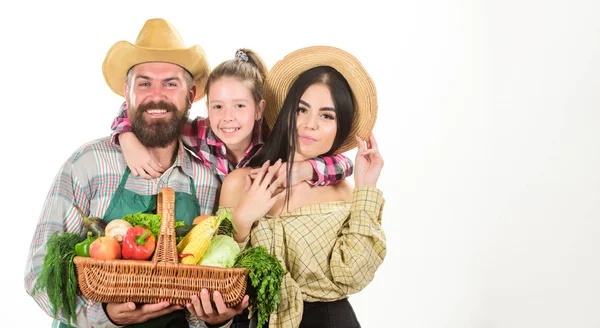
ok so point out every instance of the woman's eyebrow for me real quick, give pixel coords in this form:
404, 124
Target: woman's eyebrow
322, 108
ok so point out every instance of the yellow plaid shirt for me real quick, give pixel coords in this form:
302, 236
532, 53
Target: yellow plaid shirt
329, 250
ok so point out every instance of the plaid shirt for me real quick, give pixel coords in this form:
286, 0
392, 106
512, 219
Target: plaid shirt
198, 136
89, 179
329, 250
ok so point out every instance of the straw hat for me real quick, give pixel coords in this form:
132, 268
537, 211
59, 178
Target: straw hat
158, 41
286, 71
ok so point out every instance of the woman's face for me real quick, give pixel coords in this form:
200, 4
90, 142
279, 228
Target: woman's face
232, 112
315, 122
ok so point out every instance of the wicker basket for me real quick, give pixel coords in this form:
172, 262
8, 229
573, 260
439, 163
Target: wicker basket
163, 278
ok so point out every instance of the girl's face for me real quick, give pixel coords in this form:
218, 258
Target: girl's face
232, 112
315, 122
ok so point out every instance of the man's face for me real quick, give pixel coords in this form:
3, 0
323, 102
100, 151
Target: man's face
158, 102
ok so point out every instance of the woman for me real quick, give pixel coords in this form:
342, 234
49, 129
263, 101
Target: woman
329, 238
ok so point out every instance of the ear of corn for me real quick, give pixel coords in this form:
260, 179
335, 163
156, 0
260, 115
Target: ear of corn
197, 240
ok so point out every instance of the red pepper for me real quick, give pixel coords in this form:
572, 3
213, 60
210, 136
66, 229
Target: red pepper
138, 244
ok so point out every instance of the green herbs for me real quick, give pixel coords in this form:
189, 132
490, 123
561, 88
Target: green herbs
150, 221
266, 275
58, 276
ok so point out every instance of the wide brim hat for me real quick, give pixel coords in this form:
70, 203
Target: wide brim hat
285, 72
158, 41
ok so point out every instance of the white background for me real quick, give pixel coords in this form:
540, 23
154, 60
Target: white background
488, 123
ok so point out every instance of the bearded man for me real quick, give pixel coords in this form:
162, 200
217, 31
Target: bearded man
160, 79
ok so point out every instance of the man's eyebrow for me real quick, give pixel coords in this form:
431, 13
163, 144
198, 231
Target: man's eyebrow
175, 78
322, 108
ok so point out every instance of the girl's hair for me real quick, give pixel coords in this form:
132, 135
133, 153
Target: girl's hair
282, 139
248, 67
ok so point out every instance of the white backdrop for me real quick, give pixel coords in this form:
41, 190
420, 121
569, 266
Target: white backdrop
488, 123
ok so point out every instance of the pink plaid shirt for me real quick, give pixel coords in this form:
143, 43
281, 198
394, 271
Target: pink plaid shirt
198, 136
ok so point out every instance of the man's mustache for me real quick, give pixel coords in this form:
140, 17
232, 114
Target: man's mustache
169, 107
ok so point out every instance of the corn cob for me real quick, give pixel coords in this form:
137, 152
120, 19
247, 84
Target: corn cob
197, 240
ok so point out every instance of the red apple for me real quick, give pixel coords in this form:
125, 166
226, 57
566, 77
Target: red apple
105, 248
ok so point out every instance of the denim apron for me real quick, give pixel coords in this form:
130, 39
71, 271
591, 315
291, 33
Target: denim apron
126, 202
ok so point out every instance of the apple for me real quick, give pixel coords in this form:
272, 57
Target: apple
105, 248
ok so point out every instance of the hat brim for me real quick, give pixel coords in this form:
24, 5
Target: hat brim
286, 71
124, 55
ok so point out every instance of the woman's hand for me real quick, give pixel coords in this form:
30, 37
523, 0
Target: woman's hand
138, 158
258, 198
368, 163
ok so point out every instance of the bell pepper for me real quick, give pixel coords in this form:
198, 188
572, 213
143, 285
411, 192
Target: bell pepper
83, 248
138, 244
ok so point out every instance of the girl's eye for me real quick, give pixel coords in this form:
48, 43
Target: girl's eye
328, 117
217, 106
301, 110
240, 106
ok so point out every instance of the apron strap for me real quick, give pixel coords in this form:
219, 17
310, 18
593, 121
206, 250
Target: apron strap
193, 188
118, 193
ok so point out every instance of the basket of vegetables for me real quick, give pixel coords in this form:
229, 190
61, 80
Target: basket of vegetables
173, 273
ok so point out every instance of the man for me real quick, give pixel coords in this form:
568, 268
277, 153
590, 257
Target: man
159, 79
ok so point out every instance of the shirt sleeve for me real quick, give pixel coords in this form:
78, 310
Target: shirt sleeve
331, 169
361, 246
195, 136
120, 124
58, 214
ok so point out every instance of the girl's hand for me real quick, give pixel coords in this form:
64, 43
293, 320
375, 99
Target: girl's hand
368, 163
137, 157
301, 171
259, 196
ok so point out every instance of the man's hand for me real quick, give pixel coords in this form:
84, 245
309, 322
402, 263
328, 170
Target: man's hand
128, 313
217, 314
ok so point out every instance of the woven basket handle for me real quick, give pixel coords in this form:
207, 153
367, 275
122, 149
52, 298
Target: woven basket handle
166, 250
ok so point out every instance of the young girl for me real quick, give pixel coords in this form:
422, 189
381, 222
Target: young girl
329, 238
231, 134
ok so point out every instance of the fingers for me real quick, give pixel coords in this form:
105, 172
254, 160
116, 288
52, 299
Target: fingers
120, 308
219, 303
248, 183
373, 142
151, 171
361, 144
154, 165
143, 174
151, 308
196, 308
162, 312
261, 173
267, 181
205, 302
240, 308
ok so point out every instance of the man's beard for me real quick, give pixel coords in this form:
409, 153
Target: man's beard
158, 133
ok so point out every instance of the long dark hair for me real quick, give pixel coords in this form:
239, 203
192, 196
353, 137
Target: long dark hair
282, 139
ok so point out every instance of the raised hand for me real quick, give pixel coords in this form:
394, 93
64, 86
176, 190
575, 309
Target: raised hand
368, 163
259, 197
